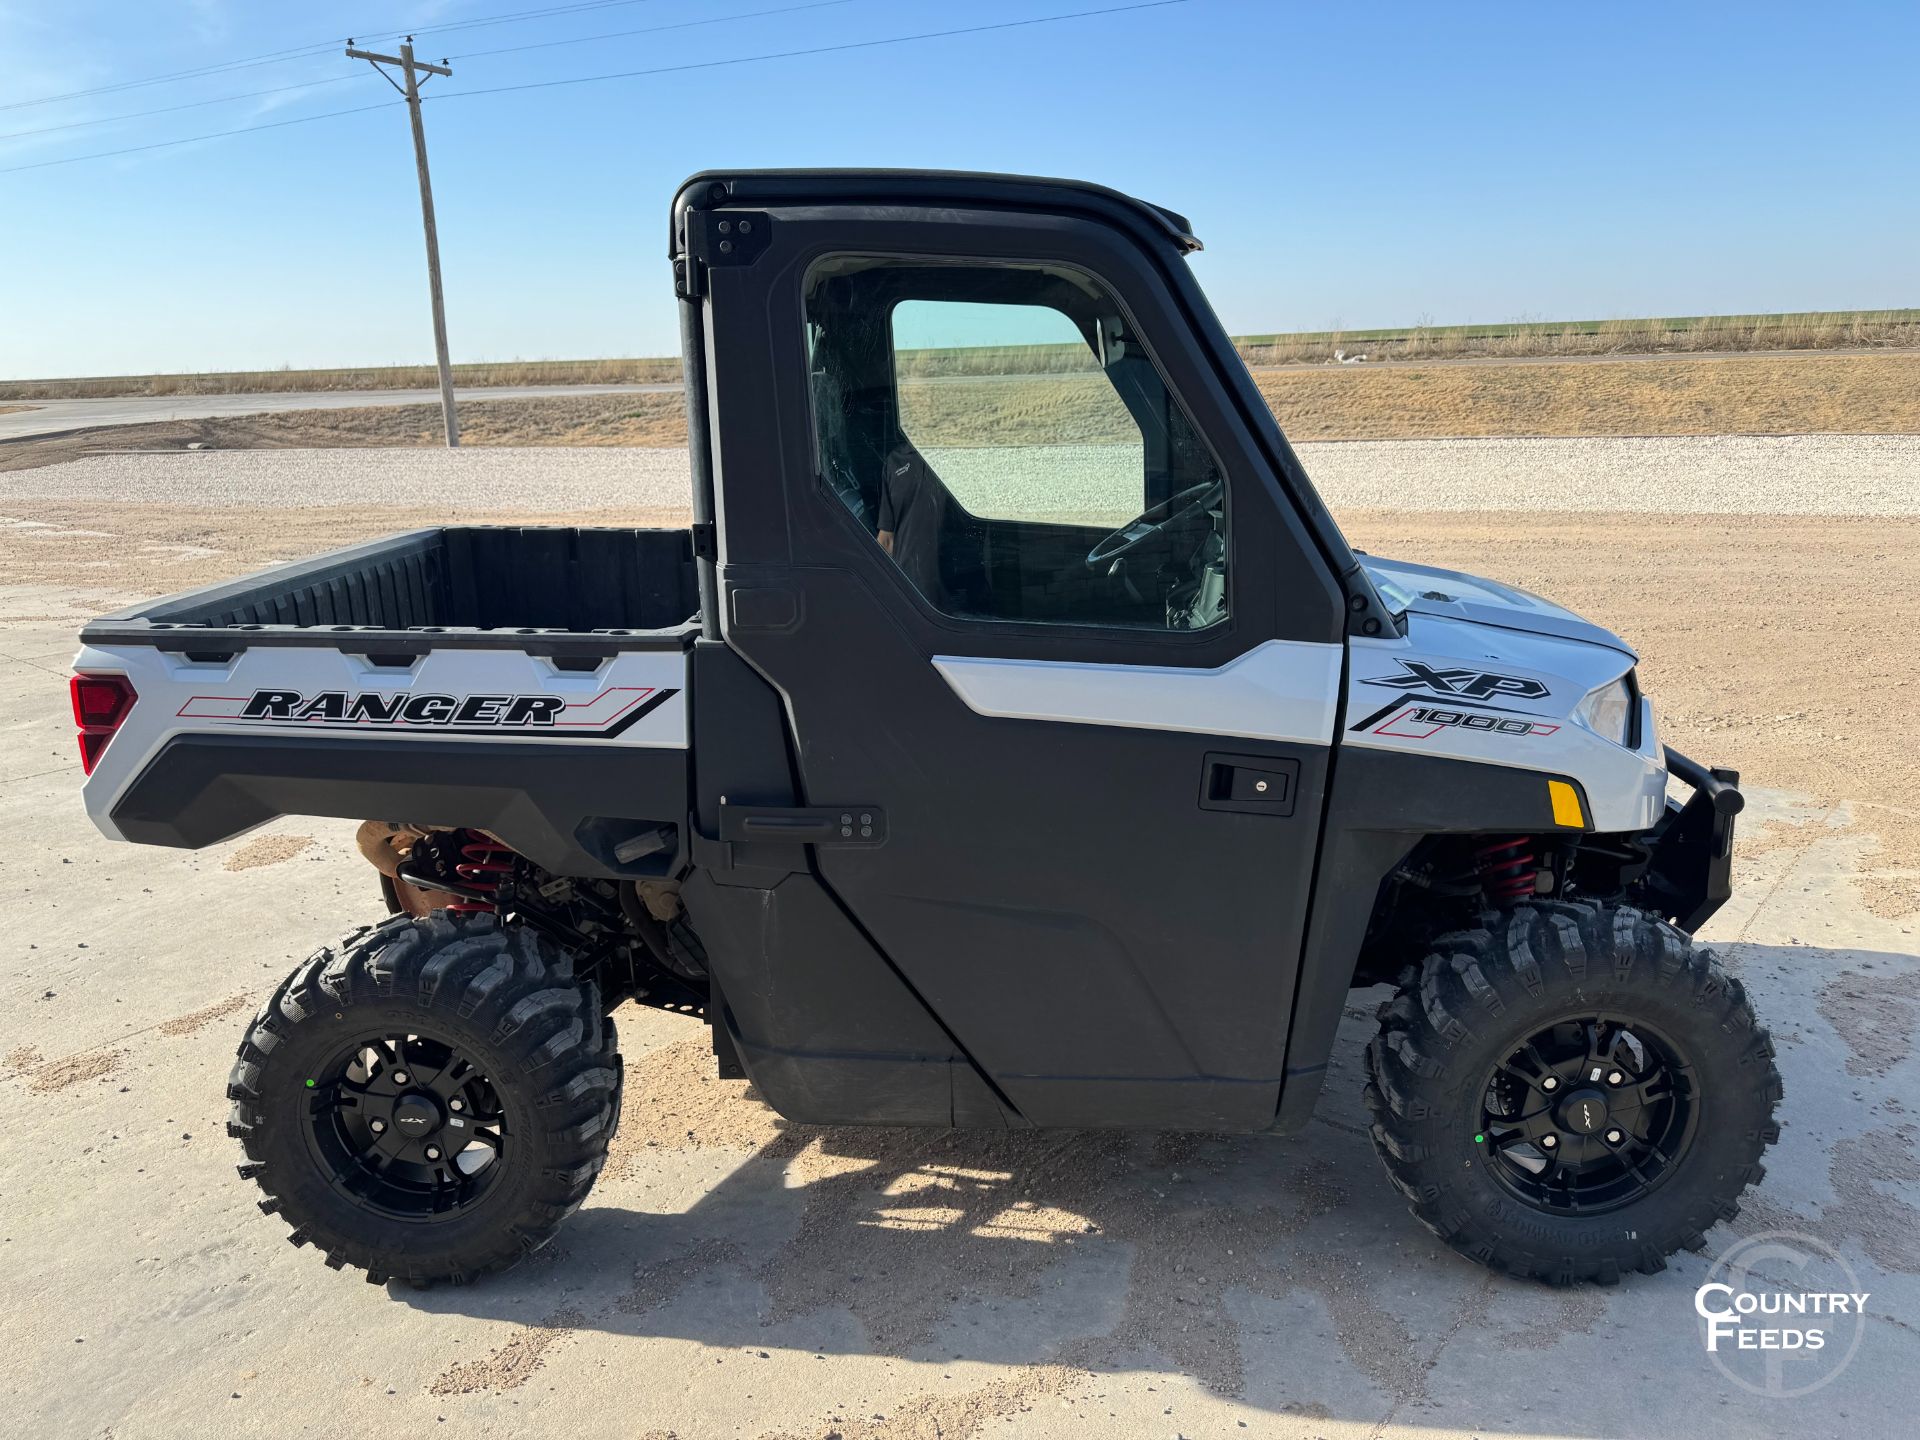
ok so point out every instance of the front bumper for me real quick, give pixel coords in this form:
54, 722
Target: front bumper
1690, 864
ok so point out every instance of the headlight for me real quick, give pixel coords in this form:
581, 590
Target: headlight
1608, 711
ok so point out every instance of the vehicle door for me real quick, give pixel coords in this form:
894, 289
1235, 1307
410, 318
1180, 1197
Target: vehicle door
1048, 632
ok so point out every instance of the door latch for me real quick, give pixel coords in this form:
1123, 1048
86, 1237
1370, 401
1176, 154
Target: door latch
803, 825
1249, 784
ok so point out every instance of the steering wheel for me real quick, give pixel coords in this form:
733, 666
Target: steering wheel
1191, 501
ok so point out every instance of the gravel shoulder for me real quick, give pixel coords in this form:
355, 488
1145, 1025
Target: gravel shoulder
1739, 474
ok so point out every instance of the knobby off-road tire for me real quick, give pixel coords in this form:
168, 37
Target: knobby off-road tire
1479, 996
534, 1048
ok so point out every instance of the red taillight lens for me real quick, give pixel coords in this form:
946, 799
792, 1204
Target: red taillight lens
92, 742
100, 704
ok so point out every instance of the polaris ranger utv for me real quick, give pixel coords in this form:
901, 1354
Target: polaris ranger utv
1012, 740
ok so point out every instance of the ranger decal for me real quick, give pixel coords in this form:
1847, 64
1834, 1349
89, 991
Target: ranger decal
605, 714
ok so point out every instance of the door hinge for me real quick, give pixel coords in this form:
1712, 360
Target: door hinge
718, 238
706, 541
727, 237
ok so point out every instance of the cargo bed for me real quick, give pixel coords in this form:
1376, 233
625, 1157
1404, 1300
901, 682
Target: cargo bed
545, 590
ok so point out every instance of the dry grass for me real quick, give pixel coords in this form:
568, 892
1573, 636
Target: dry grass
1708, 395
973, 360
1785, 394
380, 377
1688, 334
1030, 409
1727, 395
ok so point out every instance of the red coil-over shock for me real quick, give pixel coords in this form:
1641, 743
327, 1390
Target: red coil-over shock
484, 864
1507, 869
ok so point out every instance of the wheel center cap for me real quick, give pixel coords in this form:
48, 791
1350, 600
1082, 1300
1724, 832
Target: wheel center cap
416, 1117
1584, 1112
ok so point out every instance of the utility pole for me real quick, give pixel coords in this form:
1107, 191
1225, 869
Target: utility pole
414, 70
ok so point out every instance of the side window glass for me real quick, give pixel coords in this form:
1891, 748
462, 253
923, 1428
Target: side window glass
1008, 442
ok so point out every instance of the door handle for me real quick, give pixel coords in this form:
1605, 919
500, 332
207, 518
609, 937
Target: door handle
815, 825
1249, 784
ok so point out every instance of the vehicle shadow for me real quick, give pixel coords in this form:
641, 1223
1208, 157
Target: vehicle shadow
1069, 1251
1284, 1273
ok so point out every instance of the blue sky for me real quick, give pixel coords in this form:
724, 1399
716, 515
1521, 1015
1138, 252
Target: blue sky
1346, 164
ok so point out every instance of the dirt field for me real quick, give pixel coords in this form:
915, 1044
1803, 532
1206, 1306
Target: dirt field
1788, 394
587, 420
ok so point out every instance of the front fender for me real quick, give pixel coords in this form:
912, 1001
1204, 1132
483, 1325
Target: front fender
1380, 804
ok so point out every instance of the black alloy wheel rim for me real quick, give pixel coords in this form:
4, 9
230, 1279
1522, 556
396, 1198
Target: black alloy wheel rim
1588, 1114
405, 1125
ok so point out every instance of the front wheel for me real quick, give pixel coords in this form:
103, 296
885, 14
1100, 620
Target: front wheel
430, 1100
1571, 1092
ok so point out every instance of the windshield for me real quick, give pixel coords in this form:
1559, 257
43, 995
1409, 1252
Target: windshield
1396, 597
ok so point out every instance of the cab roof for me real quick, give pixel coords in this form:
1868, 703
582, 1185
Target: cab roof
944, 187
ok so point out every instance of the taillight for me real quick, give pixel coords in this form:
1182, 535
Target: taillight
100, 704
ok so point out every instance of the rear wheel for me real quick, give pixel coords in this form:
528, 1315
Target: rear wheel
1571, 1092
430, 1100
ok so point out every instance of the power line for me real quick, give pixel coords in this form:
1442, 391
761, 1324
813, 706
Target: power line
812, 50
170, 109
296, 52
648, 30
275, 58
615, 75
471, 55
195, 139
480, 21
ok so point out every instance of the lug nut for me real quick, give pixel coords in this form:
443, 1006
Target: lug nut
376, 1126
433, 1152
1614, 1137
1615, 1078
399, 1077
1547, 1142
1552, 1082
456, 1103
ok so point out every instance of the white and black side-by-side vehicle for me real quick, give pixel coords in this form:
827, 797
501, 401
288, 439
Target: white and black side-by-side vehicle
1011, 740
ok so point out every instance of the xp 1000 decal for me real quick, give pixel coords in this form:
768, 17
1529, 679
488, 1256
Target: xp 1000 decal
1423, 722
1436, 699
1457, 681
604, 715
